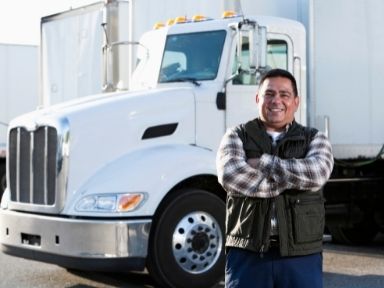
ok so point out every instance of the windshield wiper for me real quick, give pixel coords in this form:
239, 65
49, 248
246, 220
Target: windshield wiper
183, 79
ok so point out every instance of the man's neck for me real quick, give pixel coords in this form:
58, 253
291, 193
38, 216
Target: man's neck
272, 129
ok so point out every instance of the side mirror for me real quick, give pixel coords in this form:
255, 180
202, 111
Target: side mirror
251, 56
258, 48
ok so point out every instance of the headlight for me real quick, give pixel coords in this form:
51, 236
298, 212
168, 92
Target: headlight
110, 202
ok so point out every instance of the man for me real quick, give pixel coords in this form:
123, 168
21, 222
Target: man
273, 169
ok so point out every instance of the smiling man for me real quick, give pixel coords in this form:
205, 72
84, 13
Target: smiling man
273, 169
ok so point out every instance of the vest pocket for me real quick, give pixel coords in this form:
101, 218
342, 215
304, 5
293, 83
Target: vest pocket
308, 219
244, 217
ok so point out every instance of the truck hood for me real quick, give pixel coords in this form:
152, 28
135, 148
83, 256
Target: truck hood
103, 128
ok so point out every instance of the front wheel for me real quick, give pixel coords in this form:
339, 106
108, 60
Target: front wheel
187, 241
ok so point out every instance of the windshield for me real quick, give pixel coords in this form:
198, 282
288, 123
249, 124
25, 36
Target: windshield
192, 56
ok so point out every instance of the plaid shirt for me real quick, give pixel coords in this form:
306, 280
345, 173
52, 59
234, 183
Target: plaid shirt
271, 175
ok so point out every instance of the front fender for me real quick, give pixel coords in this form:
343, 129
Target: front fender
153, 170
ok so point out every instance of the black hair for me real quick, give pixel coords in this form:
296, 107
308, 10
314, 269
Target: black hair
280, 73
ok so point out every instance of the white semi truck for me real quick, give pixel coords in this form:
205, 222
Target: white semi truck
18, 91
82, 53
127, 180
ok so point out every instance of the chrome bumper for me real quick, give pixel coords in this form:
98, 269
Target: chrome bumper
73, 238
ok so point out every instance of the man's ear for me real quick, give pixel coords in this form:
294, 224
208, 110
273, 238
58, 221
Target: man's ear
297, 102
257, 98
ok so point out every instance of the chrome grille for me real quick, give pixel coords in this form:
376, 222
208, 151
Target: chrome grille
33, 163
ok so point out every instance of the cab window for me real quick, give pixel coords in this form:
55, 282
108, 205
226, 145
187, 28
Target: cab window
277, 57
194, 56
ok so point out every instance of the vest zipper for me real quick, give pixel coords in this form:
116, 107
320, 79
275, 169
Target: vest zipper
267, 223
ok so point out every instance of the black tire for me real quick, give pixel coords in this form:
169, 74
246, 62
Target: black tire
3, 182
186, 247
360, 234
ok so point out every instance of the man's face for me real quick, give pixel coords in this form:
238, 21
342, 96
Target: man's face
277, 103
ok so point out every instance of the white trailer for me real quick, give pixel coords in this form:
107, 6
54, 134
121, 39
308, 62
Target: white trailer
127, 179
18, 90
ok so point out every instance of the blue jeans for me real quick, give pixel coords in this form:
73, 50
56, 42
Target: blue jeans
247, 269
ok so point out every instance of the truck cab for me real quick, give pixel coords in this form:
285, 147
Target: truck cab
127, 180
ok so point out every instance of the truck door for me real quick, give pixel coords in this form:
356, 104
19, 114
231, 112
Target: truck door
241, 90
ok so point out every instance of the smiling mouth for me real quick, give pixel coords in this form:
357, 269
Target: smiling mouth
276, 109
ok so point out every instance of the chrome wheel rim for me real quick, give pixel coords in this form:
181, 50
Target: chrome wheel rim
197, 242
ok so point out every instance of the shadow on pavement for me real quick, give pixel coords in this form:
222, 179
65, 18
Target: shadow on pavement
121, 280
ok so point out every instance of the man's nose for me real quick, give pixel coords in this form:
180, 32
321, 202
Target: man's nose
276, 98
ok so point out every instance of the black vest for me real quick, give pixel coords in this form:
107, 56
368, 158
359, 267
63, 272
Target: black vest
300, 214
